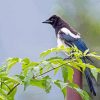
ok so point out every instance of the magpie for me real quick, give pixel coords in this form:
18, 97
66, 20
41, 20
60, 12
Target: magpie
68, 36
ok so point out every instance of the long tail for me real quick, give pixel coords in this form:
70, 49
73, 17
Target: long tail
90, 80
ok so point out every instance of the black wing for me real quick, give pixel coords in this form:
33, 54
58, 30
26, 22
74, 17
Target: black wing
78, 42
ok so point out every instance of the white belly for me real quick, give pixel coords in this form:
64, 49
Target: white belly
60, 42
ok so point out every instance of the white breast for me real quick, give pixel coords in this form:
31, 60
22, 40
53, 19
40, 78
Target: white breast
60, 42
68, 32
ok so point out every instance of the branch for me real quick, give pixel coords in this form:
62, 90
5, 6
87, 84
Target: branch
48, 71
35, 77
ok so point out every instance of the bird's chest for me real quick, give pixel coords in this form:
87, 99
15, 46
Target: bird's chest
60, 42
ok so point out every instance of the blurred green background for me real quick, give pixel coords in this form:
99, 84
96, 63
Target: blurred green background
84, 16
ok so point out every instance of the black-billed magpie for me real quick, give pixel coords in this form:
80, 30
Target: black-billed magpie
68, 36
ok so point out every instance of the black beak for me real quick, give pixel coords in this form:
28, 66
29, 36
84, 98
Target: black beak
47, 21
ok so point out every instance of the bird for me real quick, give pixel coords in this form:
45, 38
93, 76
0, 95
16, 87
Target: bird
68, 36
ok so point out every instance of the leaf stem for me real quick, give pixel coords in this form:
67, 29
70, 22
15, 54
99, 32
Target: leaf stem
6, 85
13, 88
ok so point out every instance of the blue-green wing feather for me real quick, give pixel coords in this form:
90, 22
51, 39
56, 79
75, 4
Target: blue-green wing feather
78, 42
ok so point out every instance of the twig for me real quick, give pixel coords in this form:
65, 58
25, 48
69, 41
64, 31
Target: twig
6, 85
35, 77
49, 71
13, 88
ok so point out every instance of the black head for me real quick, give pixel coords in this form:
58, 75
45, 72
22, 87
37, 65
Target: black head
53, 20
58, 23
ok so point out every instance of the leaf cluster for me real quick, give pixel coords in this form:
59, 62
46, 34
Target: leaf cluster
36, 73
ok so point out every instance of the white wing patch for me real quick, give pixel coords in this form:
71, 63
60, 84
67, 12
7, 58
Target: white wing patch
68, 32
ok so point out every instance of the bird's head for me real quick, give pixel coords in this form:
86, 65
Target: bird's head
53, 20
59, 23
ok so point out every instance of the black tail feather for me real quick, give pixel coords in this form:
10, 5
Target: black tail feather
89, 77
90, 81
89, 59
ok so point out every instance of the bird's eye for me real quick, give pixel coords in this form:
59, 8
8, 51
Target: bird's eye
52, 19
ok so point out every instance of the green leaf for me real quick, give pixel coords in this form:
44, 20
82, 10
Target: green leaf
44, 83
27, 64
93, 55
2, 97
67, 73
37, 82
3, 68
28, 78
3, 74
77, 66
56, 49
83, 94
61, 85
56, 70
90, 66
20, 78
3, 92
10, 79
11, 62
12, 94
57, 61
32, 64
47, 83
45, 53
25, 61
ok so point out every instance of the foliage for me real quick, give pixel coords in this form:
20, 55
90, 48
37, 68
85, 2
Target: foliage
36, 73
